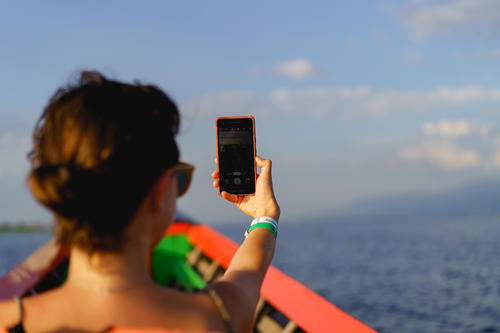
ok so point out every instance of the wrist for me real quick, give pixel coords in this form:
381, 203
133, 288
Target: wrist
273, 216
272, 213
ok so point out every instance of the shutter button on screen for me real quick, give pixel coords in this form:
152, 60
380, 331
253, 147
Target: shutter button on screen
237, 181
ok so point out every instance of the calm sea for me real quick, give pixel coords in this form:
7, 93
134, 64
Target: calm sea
396, 276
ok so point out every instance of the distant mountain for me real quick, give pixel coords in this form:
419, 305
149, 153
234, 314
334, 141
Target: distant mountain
477, 199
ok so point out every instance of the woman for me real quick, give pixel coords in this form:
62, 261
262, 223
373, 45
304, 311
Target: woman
105, 162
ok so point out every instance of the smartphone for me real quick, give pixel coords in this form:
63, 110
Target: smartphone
236, 153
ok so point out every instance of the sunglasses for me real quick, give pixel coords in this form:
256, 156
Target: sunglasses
184, 172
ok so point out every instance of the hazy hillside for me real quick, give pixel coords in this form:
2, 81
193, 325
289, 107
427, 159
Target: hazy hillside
477, 199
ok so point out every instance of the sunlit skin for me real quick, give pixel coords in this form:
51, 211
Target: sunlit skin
116, 289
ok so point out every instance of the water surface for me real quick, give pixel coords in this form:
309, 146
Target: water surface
395, 275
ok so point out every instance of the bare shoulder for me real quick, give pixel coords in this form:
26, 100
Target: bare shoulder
189, 310
8, 313
172, 300
235, 302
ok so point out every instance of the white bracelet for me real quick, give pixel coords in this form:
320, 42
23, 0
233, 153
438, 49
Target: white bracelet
263, 219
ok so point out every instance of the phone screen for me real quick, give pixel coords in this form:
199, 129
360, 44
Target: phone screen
236, 153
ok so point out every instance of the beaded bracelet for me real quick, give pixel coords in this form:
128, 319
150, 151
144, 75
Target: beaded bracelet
263, 222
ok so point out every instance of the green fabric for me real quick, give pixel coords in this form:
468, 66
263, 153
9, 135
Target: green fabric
169, 264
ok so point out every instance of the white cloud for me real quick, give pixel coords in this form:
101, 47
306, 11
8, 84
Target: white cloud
296, 68
366, 99
444, 155
360, 99
451, 17
496, 159
222, 103
484, 130
453, 129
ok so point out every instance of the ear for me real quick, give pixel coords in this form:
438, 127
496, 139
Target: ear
161, 189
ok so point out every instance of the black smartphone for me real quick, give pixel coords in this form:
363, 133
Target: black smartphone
236, 153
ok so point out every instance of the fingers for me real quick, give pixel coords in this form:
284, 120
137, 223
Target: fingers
215, 177
230, 197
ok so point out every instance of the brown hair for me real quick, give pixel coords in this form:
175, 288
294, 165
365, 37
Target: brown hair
98, 148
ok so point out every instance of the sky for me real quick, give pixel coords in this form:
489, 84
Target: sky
352, 99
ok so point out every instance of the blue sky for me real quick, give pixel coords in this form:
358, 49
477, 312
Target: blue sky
352, 99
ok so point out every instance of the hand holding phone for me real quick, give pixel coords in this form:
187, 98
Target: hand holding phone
264, 202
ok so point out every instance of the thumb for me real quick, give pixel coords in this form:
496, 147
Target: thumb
265, 166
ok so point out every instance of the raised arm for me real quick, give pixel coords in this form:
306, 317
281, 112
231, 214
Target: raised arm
240, 285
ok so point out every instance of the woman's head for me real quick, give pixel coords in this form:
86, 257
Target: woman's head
98, 148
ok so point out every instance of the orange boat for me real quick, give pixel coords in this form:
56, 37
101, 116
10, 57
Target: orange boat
188, 257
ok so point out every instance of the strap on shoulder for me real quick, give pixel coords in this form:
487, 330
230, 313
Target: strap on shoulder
222, 309
19, 327
20, 306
